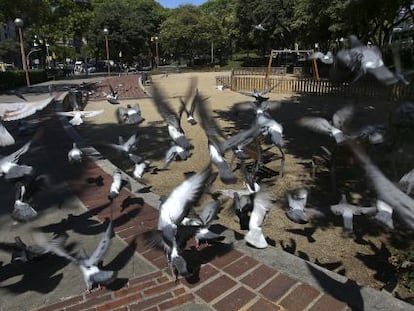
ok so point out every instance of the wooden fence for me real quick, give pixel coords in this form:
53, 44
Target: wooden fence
299, 85
260, 71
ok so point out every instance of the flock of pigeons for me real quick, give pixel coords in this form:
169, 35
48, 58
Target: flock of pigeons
178, 220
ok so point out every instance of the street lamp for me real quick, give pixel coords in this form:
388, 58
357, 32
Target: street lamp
157, 59
106, 33
19, 24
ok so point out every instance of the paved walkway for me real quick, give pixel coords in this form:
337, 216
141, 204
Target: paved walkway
228, 275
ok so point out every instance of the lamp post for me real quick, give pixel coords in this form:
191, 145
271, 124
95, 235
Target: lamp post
106, 33
19, 24
157, 59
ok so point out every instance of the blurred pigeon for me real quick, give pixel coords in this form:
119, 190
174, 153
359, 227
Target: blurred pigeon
386, 191
9, 167
260, 26
373, 134
17, 111
88, 265
297, 202
207, 215
339, 122
113, 97
73, 99
259, 95
361, 59
125, 146
75, 154
129, 115
274, 130
22, 210
407, 181
22, 252
347, 211
117, 183
261, 206
193, 104
171, 118
384, 215
175, 152
140, 166
172, 212
77, 116
216, 151
327, 58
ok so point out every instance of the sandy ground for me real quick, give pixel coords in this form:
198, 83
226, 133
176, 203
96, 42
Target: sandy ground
361, 256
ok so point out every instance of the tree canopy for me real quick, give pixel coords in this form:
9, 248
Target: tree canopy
189, 31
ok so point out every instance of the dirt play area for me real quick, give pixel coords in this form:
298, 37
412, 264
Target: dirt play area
362, 256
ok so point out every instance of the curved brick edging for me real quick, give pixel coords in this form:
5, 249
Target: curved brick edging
229, 278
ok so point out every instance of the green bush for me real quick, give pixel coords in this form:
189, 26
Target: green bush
17, 78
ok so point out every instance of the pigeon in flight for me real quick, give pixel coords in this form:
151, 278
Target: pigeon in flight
297, 202
77, 115
261, 206
129, 115
9, 167
190, 97
88, 265
171, 118
347, 211
260, 26
140, 166
386, 191
203, 221
75, 155
271, 128
118, 180
361, 59
335, 129
407, 181
384, 215
216, 150
22, 252
327, 58
173, 210
17, 111
113, 97
123, 146
259, 95
22, 211
175, 152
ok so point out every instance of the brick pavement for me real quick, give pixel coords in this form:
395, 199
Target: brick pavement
127, 86
225, 278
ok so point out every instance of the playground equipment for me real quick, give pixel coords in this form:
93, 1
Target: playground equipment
275, 53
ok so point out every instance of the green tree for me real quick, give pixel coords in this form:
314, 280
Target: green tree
189, 32
279, 16
225, 13
131, 25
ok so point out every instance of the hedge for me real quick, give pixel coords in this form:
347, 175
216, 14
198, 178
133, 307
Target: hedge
17, 78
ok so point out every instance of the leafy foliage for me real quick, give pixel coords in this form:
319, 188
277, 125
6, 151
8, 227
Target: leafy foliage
189, 32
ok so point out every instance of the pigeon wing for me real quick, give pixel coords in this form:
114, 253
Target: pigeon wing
209, 212
164, 108
175, 206
27, 109
15, 156
103, 245
386, 190
91, 113
316, 124
6, 139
